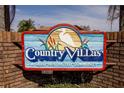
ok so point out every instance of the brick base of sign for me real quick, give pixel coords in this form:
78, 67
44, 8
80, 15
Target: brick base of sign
12, 75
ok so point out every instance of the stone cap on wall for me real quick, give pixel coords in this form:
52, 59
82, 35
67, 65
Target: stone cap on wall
115, 36
10, 36
16, 36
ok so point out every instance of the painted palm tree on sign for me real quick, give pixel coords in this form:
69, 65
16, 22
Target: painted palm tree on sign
113, 13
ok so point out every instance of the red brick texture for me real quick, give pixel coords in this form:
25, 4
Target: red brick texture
12, 76
113, 76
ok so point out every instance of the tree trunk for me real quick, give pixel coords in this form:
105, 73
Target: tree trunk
4, 18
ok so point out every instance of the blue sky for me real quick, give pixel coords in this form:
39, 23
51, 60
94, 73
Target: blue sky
44, 15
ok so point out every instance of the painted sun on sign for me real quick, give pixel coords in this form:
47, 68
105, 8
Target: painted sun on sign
64, 37
64, 48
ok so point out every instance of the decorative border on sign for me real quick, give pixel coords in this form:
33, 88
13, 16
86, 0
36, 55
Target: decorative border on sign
63, 69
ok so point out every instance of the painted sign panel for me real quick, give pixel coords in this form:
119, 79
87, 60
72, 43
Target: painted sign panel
64, 48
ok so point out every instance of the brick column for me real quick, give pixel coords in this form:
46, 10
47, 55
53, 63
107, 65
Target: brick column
10, 54
1, 67
2, 17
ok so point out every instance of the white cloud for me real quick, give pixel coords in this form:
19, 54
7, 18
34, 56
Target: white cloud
71, 17
99, 10
18, 10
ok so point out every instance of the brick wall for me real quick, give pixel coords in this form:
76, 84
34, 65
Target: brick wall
114, 75
12, 75
1, 67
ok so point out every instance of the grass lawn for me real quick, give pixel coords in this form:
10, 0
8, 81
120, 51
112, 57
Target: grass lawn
87, 85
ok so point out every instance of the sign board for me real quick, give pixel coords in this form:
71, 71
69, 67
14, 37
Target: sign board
64, 48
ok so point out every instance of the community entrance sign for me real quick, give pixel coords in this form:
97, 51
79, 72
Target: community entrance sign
64, 47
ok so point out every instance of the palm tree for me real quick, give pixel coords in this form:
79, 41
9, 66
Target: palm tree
113, 13
26, 25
